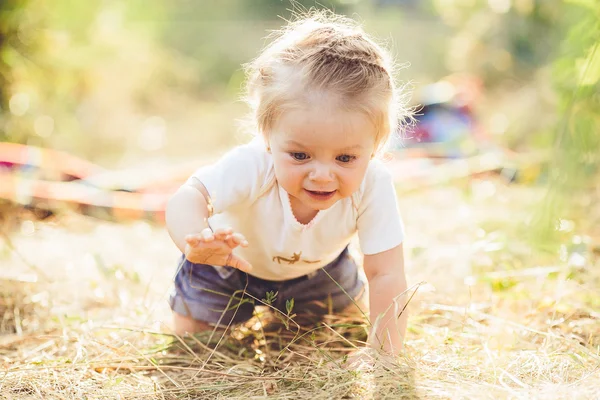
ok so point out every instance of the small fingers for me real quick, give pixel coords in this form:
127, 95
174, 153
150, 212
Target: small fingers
192, 240
222, 233
240, 239
236, 239
207, 235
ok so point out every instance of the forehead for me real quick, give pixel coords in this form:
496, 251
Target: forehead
324, 126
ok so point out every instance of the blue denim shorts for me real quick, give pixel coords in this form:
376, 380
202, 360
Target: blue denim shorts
201, 293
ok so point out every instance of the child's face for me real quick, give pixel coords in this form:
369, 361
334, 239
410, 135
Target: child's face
321, 154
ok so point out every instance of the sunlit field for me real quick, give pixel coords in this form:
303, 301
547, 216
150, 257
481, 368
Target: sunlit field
85, 314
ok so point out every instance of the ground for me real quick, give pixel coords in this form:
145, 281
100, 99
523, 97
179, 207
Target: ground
85, 315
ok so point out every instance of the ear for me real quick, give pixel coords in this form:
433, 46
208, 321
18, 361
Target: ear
267, 143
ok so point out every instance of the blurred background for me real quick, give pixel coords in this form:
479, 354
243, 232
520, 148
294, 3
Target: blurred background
120, 83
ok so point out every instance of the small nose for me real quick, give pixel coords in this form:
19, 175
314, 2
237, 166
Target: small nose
321, 173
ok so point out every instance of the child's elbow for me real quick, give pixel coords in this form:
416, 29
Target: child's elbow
170, 206
175, 206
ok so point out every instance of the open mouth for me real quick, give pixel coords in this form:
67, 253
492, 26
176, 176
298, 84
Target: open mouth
319, 195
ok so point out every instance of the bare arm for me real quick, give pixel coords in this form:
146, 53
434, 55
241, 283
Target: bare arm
187, 213
387, 283
187, 222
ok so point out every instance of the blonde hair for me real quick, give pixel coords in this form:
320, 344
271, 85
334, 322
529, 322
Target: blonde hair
321, 52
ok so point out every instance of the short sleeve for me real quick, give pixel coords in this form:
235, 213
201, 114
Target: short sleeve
237, 177
379, 223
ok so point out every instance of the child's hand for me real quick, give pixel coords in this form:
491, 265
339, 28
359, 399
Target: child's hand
215, 248
367, 359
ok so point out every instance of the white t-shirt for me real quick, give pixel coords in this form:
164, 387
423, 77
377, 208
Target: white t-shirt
246, 197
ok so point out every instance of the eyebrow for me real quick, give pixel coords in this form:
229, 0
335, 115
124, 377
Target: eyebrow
294, 143
298, 144
355, 147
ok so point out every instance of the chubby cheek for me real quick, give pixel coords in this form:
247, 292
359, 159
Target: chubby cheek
350, 180
289, 176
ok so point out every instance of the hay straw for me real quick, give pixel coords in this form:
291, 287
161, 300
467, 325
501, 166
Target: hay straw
536, 337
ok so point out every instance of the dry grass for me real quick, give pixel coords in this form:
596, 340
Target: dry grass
83, 314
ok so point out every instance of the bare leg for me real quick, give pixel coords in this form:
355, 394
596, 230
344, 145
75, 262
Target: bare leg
359, 308
183, 325
320, 311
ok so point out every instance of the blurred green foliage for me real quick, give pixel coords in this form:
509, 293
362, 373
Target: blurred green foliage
577, 80
502, 39
83, 75
15, 40
573, 190
108, 74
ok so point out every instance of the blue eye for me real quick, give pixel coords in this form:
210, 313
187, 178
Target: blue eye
345, 158
299, 156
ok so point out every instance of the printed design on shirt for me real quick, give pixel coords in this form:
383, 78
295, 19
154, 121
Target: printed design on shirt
293, 259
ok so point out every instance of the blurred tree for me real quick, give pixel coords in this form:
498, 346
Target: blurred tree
497, 39
40, 71
509, 45
12, 50
547, 50
221, 35
71, 73
574, 170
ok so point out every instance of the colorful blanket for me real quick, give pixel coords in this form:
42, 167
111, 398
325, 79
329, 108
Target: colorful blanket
52, 180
